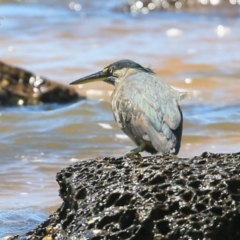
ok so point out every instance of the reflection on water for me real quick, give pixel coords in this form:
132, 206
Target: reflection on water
17, 221
66, 40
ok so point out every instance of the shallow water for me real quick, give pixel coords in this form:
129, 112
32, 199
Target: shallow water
195, 52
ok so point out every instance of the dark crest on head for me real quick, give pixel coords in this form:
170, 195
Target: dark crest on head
128, 64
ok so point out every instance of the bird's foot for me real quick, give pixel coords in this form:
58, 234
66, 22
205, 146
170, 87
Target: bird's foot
131, 154
136, 151
128, 155
166, 155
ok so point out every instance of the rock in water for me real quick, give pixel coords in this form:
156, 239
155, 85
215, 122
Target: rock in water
148, 198
19, 87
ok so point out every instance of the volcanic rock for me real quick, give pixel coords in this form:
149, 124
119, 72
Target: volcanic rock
150, 198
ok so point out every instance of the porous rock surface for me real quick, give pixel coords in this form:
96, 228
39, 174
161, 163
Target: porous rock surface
19, 87
148, 198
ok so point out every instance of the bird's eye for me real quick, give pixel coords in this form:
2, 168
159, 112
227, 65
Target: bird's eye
107, 70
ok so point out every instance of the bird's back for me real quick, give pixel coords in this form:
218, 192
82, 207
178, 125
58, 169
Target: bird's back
147, 109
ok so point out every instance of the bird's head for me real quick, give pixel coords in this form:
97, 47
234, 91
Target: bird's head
113, 73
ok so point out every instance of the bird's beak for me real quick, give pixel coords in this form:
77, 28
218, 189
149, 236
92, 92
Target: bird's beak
98, 76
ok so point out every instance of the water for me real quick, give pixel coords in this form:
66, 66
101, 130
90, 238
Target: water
196, 52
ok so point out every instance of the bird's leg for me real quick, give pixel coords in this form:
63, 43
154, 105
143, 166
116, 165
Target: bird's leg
136, 151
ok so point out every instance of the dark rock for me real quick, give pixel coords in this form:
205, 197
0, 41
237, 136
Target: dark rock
19, 87
222, 7
151, 198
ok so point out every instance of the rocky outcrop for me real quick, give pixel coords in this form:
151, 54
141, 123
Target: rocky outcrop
222, 7
147, 198
19, 87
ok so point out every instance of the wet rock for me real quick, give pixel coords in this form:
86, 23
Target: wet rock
148, 198
19, 87
225, 7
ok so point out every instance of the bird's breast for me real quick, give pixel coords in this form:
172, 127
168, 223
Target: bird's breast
122, 109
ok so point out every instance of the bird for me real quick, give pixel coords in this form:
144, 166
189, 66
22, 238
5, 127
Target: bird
144, 107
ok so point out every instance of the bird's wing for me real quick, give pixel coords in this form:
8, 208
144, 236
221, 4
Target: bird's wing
155, 98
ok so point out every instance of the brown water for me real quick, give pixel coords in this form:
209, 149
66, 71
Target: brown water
197, 52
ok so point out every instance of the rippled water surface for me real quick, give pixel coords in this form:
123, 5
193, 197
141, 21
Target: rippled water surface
63, 41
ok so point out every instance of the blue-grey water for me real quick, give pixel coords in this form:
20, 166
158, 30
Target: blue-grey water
64, 40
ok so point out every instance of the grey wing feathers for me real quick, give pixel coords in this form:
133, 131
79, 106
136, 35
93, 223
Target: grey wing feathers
156, 99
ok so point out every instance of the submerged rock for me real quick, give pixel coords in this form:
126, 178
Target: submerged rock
147, 198
19, 87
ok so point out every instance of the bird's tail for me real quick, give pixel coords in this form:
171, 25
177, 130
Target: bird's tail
180, 95
183, 95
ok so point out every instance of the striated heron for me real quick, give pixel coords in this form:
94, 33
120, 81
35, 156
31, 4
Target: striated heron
145, 107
